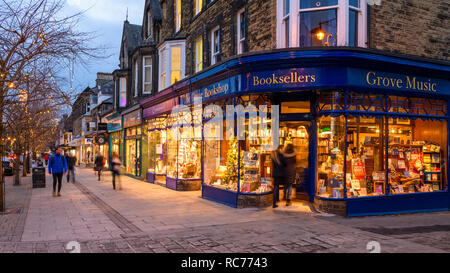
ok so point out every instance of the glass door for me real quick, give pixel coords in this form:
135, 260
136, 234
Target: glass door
297, 134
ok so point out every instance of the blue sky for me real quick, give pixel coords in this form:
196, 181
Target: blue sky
105, 18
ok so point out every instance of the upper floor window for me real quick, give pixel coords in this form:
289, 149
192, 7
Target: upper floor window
171, 63
198, 4
215, 45
123, 92
177, 9
136, 77
147, 75
240, 31
198, 44
321, 23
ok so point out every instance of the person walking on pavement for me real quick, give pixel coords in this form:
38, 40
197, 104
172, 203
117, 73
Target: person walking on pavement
57, 166
71, 161
99, 163
277, 173
116, 164
289, 157
46, 157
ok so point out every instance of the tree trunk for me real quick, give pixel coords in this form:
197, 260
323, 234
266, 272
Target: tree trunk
24, 166
17, 171
2, 143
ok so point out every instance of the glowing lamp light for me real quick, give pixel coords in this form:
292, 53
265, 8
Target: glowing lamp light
320, 35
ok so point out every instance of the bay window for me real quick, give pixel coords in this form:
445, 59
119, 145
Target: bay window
321, 23
147, 75
171, 63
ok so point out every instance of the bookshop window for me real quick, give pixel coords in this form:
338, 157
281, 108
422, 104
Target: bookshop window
330, 156
189, 155
172, 152
366, 153
256, 164
331, 101
417, 155
156, 151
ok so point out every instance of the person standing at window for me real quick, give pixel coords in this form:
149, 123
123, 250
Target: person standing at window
289, 156
277, 173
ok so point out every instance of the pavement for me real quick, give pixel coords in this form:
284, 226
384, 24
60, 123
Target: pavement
144, 217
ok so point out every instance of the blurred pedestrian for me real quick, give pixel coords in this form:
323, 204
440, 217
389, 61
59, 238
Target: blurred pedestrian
46, 157
99, 163
277, 173
116, 165
289, 158
57, 167
71, 161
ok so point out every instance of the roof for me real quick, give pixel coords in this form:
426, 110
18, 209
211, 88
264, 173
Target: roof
155, 9
133, 35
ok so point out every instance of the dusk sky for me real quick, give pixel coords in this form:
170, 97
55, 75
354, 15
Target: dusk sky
105, 18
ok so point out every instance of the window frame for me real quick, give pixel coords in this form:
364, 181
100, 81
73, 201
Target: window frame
177, 15
343, 9
122, 90
136, 77
144, 67
165, 55
240, 42
198, 7
214, 53
198, 54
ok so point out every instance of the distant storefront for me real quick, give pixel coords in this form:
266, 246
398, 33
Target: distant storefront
133, 141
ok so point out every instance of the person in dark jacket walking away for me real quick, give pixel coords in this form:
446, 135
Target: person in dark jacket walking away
289, 157
116, 164
99, 163
277, 173
71, 161
57, 166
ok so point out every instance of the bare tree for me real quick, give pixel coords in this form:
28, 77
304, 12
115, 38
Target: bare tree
35, 34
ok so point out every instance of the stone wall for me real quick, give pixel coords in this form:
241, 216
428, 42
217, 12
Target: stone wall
246, 201
414, 27
331, 206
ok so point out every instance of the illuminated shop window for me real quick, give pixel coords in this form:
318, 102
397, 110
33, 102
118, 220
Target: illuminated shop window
330, 156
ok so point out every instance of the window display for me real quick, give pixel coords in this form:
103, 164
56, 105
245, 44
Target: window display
172, 152
330, 156
157, 146
415, 155
366, 165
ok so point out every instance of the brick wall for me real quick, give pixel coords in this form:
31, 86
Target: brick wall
414, 27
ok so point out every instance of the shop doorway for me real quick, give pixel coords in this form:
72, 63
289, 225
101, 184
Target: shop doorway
133, 157
297, 133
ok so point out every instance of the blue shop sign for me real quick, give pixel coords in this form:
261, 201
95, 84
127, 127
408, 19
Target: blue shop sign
112, 127
218, 89
407, 83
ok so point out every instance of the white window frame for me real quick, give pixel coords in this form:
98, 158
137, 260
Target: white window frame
144, 67
215, 53
165, 48
198, 5
198, 65
286, 24
177, 12
240, 41
343, 9
123, 89
136, 77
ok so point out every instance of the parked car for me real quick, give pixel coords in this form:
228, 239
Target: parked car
7, 166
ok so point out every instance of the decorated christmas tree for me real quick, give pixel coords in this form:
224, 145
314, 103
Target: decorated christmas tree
231, 174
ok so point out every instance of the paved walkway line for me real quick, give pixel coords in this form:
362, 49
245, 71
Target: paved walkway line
20, 225
121, 222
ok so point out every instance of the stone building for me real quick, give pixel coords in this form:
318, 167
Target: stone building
351, 79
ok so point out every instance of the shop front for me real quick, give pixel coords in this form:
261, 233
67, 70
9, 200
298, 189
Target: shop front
133, 141
369, 130
157, 146
116, 137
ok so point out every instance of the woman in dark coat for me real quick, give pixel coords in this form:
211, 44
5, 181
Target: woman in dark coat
277, 173
289, 158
